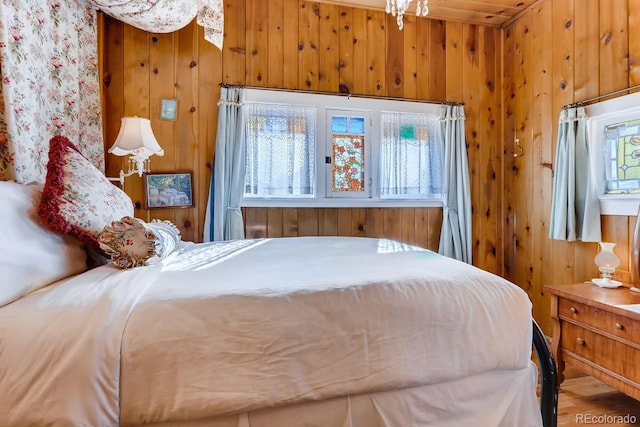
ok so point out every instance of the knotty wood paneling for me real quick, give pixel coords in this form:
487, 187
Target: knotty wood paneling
375, 57
541, 152
257, 58
395, 63
568, 50
614, 47
347, 40
162, 78
508, 189
420, 226
489, 155
328, 47
634, 43
494, 13
471, 54
308, 33
187, 138
522, 165
291, 44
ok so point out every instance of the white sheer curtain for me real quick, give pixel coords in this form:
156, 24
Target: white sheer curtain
455, 237
411, 156
575, 209
223, 219
280, 150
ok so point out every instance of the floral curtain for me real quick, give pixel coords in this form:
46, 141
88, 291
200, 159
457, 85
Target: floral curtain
49, 71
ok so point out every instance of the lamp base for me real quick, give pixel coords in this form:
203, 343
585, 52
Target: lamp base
606, 283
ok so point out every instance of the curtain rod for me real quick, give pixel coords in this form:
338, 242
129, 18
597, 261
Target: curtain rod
349, 95
596, 98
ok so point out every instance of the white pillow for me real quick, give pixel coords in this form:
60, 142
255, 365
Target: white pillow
31, 256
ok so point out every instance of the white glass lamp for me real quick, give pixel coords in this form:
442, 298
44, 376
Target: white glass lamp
607, 261
137, 140
398, 8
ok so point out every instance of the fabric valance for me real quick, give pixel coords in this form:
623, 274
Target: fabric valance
165, 16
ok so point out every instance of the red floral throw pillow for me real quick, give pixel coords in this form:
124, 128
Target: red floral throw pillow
78, 199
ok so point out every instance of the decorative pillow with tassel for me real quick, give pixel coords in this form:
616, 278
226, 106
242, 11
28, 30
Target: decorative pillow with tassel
77, 198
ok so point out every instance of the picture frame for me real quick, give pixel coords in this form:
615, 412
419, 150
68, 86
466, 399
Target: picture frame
168, 190
169, 109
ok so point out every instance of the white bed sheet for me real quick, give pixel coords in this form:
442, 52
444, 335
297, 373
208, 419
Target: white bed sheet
500, 399
225, 328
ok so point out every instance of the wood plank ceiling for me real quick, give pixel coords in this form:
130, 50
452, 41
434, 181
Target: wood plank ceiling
484, 12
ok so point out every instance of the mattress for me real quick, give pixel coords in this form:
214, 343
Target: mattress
228, 328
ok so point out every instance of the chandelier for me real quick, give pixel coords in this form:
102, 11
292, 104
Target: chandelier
398, 8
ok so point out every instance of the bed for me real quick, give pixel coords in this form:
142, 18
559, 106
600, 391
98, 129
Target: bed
306, 331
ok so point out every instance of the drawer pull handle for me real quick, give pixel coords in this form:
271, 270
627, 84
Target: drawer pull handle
620, 326
574, 310
580, 341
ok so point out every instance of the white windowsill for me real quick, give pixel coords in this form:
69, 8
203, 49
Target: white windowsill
339, 203
623, 204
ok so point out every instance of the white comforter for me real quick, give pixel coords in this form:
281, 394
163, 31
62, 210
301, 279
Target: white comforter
228, 327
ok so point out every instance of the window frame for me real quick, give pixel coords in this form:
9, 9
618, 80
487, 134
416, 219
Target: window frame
314, 193
372, 106
600, 115
369, 163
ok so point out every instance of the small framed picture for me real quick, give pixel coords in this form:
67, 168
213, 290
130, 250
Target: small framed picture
168, 190
169, 109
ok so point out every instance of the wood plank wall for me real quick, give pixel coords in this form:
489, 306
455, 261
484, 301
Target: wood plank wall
139, 69
297, 44
558, 52
415, 226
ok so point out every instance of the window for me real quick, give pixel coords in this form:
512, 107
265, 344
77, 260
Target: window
622, 152
332, 150
411, 156
614, 141
280, 151
348, 153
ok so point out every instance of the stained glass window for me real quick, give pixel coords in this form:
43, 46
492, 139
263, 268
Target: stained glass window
348, 153
622, 151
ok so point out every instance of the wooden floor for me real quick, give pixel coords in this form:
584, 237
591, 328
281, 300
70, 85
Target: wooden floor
583, 400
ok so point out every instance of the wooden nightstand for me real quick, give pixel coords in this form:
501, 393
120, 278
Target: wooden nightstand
596, 333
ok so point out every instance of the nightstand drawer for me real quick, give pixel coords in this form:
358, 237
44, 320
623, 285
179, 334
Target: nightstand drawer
613, 324
612, 355
598, 331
